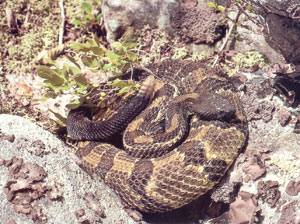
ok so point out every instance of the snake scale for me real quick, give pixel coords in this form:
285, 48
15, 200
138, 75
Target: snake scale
183, 130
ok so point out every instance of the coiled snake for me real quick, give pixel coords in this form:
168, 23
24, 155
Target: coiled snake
176, 149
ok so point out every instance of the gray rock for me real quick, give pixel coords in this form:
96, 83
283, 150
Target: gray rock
286, 8
284, 34
21, 138
118, 15
251, 39
191, 21
282, 26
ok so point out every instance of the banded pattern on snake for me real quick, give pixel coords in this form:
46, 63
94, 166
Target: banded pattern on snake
182, 131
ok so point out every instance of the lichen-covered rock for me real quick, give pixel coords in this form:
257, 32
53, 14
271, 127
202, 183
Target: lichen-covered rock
284, 34
191, 22
36, 188
286, 8
198, 24
281, 20
118, 15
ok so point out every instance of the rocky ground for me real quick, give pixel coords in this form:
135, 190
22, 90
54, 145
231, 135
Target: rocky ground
41, 183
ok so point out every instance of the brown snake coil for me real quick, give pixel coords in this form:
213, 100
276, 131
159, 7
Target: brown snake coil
178, 148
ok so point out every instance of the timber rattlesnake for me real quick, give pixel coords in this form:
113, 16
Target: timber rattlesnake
176, 149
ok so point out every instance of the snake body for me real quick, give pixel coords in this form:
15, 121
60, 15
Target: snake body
177, 148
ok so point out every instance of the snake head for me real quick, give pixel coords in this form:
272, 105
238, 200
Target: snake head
213, 106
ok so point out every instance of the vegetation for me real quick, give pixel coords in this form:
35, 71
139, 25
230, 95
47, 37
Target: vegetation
89, 53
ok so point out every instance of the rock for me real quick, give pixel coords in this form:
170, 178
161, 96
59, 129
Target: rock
53, 178
251, 38
118, 15
243, 209
284, 116
282, 30
225, 193
286, 8
284, 34
287, 86
255, 166
192, 23
255, 104
293, 188
197, 24
289, 213
268, 192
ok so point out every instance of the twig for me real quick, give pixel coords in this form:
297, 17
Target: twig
62, 25
11, 20
131, 71
228, 34
148, 70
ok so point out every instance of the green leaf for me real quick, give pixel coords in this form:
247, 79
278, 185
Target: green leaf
96, 39
98, 51
221, 8
108, 66
75, 103
77, 22
223, 21
119, 83
250, 7
112, 55
90, 17
90, 61
132, 56
74, 70
125, 89
69, 85
48, 95
65, 71
130, 45
85, 47
73, 61
211, 5
92, 42
118, 46
56, 89
86, 6
51, 62
80, 80
98, 18
81, 89
62, 120
50, 75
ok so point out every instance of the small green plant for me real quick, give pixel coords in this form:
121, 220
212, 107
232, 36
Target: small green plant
89, 15
124, 86
68, 78
118, 60
58, 81
213, 4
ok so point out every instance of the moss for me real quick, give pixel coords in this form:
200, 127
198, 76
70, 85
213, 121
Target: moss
199, 56
180, 53
243, 61
41, 30
156, 45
